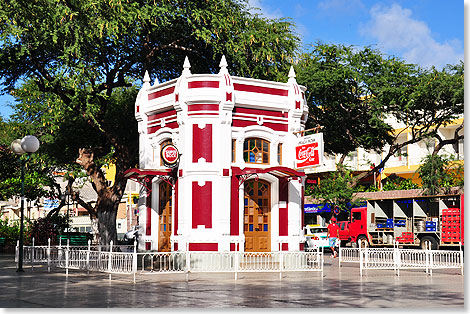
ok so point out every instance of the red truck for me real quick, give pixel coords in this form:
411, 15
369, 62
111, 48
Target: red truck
411, 222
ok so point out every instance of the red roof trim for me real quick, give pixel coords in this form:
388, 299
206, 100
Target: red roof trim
203, 84
260, 89
203, 107
161, 93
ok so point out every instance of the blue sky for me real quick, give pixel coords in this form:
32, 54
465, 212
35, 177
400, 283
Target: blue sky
425, 32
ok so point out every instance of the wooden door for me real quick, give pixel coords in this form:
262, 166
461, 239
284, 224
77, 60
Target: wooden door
164, 212
257, 216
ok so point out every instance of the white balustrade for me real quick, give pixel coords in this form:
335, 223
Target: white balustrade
396, 259
109, 261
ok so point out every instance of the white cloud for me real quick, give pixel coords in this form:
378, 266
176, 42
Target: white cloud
398, 33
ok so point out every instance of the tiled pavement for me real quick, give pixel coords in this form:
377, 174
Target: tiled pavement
335, 288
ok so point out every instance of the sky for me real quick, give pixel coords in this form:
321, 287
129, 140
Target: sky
424, 32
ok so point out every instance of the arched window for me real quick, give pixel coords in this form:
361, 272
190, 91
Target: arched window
256, 151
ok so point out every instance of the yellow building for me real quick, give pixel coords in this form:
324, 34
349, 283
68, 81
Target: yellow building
405, 164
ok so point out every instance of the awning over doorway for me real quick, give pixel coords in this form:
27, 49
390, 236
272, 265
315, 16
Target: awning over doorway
138, 174
143, 176
279, 172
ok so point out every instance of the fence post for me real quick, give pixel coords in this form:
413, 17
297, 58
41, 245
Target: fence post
322, 258
339, 256
88, 257
67, 258
59, 254
110, 256
397, 258
431, 259
32, 256
49, 255
188, 262
461, 257
237, 247
361, 261
426, 256
17, 250
134, 260
280, 259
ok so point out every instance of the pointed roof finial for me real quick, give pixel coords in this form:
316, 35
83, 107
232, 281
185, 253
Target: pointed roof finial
291, 72
156, 82
146, 79
186, 67
223, 62
223, 65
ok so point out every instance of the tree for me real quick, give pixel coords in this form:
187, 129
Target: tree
354, 94
337, 189
35, 181
45, 228
341, 83
80, 62
439, 173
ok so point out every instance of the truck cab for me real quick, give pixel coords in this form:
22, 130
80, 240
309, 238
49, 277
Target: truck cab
343, 231
355, 229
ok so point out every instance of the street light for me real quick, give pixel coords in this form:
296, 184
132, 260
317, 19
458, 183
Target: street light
28, 144
65, 197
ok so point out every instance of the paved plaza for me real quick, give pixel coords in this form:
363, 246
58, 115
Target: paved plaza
337, 287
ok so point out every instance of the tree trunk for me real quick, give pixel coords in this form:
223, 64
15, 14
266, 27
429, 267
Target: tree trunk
107, 204
94, 229
106, 212
342, 158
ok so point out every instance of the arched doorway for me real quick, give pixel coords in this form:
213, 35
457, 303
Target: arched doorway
257, 216
164, 217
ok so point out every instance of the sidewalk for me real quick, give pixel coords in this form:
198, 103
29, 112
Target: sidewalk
336, 287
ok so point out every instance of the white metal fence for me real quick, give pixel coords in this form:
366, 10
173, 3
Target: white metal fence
396, 259
110, 261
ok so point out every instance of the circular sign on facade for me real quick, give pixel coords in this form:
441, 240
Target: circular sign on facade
170, 155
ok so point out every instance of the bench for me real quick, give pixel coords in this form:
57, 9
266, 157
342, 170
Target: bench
75, 239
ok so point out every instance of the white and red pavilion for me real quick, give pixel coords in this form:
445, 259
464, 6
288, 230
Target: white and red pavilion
234, 180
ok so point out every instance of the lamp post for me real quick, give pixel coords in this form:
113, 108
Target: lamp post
28, 144
65, 197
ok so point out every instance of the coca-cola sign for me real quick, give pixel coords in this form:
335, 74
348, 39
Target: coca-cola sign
309, 151
170, 155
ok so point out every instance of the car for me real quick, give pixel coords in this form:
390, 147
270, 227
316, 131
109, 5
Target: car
316, 237
132, 234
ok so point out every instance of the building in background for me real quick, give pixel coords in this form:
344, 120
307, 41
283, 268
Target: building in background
127, 216
403, 165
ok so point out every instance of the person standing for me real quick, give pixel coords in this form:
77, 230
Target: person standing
333, 235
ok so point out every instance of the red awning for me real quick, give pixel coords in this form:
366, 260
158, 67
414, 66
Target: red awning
279, 172
138, 174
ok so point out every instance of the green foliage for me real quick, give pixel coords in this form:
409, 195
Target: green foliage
399, 184
81, 60
433, 100
439, 173
11, 231
45, 228
355, 93
367, 188
36, 179
342, 83
336, 189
